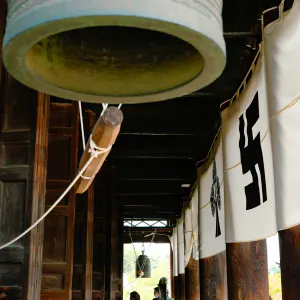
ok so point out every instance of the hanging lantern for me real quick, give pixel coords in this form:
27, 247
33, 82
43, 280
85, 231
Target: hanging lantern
115, 51
143, 266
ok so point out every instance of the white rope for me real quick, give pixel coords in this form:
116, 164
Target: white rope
82, 127
94, 154
93, 151
104, 107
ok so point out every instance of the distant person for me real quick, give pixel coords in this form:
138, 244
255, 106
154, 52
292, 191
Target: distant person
135, 296
156, 293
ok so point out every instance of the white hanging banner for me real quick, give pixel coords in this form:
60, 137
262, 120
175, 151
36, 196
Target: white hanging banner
212, 221
175, 252
180, 240
248, 164
282, 48
188, 238
195, 224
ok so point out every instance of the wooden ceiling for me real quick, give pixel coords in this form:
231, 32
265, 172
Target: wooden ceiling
161, 144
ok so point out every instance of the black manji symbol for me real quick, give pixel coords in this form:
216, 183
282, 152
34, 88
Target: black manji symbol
215, 198
251, 156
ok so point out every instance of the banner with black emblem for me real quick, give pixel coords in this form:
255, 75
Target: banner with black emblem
248, 163
282, 48
211, 208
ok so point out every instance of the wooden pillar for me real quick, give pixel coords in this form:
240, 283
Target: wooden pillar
38, 197
172, 292
89, 230
116, 241
289, 241
213, 277
247, 271
192, 277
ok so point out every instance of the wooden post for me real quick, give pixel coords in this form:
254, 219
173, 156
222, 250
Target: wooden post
213, 277
247, 271
192, 277
104, 135
89, 232
289, 241
38, 197
172, 292
116, 241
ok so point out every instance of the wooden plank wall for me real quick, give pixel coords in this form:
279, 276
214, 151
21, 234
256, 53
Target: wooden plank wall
59, 225
17, 139
22, 181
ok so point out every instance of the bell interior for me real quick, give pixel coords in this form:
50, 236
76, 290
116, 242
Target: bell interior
114, 61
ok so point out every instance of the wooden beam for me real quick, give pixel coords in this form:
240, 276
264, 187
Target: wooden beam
155, 200
159, 169
214, 277
247, 271
162, 146
104, 135
38, 197
153, 187
290, 262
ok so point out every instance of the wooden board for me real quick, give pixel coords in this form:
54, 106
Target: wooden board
290, 262
104, 135
59, 225
214, 277
247, 271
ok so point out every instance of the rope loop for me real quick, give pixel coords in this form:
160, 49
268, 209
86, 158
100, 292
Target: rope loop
95, 150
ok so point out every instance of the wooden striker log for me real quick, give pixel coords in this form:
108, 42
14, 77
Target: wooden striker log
104, 134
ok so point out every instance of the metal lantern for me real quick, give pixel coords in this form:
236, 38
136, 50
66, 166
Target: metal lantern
115, 51
143, 266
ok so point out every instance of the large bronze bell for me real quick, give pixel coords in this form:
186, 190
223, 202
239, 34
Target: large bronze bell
115, 51
143, 266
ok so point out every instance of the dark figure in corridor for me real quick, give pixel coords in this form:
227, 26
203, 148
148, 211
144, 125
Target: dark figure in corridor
135, 296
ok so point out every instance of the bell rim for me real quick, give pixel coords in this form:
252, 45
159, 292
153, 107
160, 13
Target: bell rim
16, 49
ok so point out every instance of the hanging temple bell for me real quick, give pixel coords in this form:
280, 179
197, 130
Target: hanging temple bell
143, 266
115, 51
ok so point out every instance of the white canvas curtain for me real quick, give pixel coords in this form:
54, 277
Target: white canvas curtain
195, 223
282, 53
259, 179
212, 221
174, 243
180, 240
188, 238
248, 164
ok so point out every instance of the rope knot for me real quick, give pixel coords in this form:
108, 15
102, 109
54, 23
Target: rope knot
95, 151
